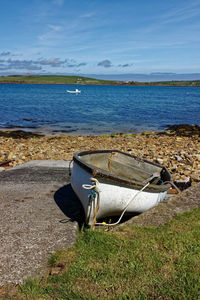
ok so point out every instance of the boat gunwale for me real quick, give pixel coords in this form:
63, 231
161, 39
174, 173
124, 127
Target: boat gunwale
116, 179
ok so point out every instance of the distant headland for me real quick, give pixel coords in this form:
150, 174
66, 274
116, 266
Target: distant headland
82, 80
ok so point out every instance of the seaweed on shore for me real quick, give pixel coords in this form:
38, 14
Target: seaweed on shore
20, 134
182, 130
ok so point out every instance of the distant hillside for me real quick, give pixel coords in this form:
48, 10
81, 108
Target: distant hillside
152, 77
61, 79
53, 79
167, 83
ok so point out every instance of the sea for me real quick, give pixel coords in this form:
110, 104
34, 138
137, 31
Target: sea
98, 109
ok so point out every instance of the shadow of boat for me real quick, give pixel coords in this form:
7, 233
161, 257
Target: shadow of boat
69, 204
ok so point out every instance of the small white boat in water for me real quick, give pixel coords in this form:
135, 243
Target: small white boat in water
113, 183
74, 92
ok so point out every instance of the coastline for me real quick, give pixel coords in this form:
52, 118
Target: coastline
84, 80
158, 84
177, 148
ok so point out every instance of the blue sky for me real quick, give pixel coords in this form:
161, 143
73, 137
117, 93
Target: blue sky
99, 36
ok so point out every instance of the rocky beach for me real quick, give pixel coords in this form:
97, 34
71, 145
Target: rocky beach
33, 225
177, 148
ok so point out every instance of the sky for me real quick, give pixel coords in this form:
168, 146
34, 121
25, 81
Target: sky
99, 36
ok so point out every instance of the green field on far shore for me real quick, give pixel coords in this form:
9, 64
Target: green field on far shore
61, 79
53, 79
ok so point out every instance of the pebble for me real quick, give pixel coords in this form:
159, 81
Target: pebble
159, 161
197, 157
181, 155
178, 158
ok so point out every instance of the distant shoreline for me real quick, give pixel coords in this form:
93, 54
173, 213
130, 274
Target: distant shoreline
80, 80
156, 84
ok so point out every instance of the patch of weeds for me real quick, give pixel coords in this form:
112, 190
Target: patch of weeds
113, 135
20, 134
105, 135
53, 259
59, 261
31, 288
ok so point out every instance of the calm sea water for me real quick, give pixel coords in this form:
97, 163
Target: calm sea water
98, 109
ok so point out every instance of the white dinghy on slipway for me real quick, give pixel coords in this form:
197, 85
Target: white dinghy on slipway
114, 183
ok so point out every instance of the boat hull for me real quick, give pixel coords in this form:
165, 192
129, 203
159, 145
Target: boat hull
113, 198
74, 92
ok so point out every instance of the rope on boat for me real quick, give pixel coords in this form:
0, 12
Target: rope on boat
113, 224
94, 194
69, 168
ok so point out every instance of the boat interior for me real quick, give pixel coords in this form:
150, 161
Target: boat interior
125, 166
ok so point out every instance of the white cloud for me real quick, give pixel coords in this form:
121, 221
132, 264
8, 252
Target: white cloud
55, 27
190, 10
5, 53
87, 15
38, 65
53, 33
58, 2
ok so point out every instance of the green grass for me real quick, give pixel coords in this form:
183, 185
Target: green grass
181, 83
53, 79
130, 263
168, 83
56, 79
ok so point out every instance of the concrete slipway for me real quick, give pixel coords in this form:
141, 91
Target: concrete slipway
39, 214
